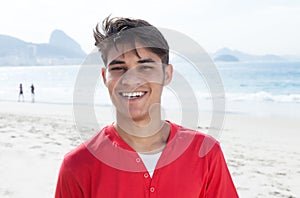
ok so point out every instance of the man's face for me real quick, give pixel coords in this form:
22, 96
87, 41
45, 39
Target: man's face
135, 81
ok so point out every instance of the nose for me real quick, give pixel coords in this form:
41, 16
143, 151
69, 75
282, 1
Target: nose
132, 78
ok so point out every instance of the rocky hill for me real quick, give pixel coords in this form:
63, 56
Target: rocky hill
228, 55
60, 50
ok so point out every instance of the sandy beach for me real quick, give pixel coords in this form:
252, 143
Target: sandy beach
263, 155
262, 152
34, 139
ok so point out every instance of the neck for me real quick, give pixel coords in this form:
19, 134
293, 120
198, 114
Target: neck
147, 138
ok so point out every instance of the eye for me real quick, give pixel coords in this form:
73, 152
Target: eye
118, 69
146, 67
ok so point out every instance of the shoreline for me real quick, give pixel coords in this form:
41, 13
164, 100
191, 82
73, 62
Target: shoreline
244, 108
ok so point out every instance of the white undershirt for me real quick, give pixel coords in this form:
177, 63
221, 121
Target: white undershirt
150, 161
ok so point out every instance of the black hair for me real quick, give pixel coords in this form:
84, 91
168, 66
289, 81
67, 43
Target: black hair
127, 30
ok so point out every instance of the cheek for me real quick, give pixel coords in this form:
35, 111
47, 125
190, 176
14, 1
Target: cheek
111, 84
157, 90
109, 80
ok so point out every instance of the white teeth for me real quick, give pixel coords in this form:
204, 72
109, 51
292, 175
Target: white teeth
133, 94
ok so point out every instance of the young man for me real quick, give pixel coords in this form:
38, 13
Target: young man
141, 155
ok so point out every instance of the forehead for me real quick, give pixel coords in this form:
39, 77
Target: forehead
131, 51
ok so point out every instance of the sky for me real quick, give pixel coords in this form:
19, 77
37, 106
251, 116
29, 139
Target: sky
253, 26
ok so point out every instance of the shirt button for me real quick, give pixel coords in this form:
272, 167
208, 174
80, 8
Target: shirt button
152, 189
138, 160
146, 175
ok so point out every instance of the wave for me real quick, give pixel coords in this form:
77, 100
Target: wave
264, 96
260, 96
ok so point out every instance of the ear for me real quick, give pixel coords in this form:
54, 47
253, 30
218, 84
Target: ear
168, 74
103, 72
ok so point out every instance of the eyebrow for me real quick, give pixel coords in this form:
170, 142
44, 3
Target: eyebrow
116, 62
148, 60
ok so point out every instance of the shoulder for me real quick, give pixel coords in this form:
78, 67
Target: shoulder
84, 154
77, 157
198, 136
204, 143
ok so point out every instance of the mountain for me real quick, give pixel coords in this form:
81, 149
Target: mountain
61, 50
59, 39
226, 54
226, 58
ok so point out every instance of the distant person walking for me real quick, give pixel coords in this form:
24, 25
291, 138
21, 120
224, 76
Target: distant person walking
21, 93
32, 93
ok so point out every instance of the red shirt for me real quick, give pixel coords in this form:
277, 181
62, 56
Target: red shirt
191, 165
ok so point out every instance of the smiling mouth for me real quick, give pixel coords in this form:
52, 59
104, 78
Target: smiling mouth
133, 95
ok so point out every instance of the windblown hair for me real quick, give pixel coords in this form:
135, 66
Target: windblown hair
119, 30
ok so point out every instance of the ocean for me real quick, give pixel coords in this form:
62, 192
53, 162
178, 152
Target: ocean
258, 88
